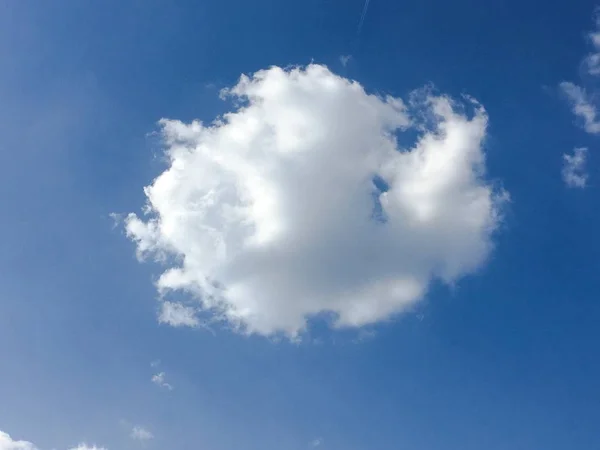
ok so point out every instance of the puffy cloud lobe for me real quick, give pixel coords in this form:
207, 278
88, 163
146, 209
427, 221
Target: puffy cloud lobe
7, 443
302, 202
574, 172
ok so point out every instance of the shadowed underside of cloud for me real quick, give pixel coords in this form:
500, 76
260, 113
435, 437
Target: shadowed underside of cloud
7, 443
300, 202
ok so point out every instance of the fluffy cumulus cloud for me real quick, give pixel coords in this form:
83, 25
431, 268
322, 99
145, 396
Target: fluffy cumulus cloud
7, 443
303, 201
574, 171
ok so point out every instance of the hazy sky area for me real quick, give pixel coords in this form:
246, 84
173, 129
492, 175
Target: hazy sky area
279, 225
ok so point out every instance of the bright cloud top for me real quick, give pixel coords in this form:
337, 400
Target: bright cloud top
301, 202
7, 443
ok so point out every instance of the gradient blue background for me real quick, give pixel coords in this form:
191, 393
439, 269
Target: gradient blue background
508, 359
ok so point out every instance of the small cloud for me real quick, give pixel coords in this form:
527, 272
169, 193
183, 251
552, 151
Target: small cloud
141, 434
159, 380
364, 335
117, 219
7, 443
316, 442
87, 447
592, 60
345, 59
573, 172
155, 363
582, 106
178, 315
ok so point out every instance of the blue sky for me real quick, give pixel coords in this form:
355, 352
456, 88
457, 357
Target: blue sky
504, 355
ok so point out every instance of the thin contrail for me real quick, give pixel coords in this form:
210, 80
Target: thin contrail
364, 14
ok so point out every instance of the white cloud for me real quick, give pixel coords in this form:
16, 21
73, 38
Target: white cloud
574, 171
345, 59
274, 215
316, 442
117, 219
7, 443
177, 315
364, 335
583, 106
160, 380
141, 434
87, 447
592, 61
